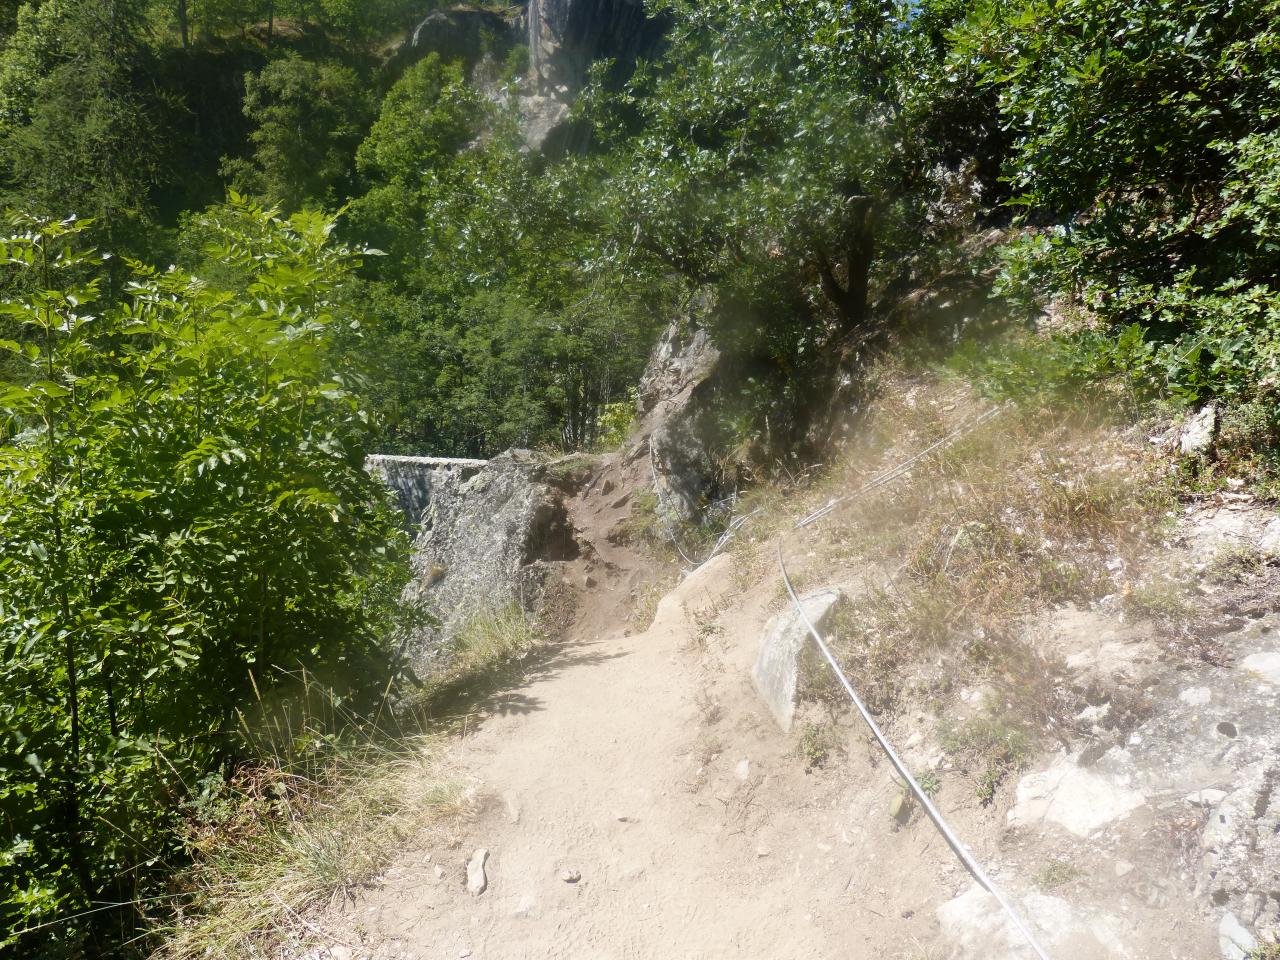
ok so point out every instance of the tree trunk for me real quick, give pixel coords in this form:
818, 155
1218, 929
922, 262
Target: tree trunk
182, 24
850, 299
271, 21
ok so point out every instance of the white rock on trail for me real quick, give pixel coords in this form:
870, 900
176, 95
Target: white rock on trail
777, 666
1208, 797
1266, 666
1074, 798
975, 923
526, 907
512, 806
1234, 940
1269, 541
1196, 696
1197, 433
477, 881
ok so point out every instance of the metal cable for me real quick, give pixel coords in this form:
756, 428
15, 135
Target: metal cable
900, 469
732, 528
966, 858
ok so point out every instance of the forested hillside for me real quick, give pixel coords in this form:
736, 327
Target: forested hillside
251, 241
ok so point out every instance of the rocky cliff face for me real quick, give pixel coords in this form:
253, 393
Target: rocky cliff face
678, 428
412, 479
489, 536
564, 38
460, 33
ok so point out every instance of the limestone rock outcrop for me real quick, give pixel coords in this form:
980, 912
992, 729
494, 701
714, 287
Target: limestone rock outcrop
412, 479
459, 33
679, 430
488, 539
566, 36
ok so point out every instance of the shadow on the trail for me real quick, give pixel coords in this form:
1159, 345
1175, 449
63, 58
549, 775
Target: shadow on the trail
467, 703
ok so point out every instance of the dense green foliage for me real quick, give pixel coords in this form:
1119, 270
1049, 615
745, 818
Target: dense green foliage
78, 125
495, 321
1146, 132
184, 513
786, 162
185, 518
307, 120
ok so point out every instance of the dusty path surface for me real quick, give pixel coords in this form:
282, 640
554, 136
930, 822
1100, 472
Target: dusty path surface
604, 767
636, 800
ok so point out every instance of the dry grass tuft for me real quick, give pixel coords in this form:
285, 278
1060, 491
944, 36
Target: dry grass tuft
486, 643
1057, 873
292, 843
286, 839
1029, 510
989, 747
647, 596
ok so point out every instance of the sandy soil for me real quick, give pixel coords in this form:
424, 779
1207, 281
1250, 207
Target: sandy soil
637, 801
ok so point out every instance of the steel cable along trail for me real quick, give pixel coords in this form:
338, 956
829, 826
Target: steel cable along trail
961, 852
966, 858
734, 525
901, 468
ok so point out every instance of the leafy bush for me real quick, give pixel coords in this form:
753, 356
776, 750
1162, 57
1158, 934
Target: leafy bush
615, 423
184, 513
1147, 132
496, 320
784, 153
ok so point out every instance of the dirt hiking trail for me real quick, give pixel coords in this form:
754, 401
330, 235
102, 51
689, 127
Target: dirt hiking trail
635, 800
683, 842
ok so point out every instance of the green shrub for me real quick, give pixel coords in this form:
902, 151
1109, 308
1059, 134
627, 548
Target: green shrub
1146, 132
992, 746
187, 524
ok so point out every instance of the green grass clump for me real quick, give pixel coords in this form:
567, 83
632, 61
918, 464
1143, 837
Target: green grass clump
990, 747
1057, 873
816, 746
485, 643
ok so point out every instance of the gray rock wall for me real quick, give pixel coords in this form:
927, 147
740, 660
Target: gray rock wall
412, 479
488, 538
566, 36
679, 426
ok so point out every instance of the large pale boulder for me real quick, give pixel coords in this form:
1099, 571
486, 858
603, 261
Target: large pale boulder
679, 430
412, 479
776, 673
1073, 797
975, 925
566, 36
